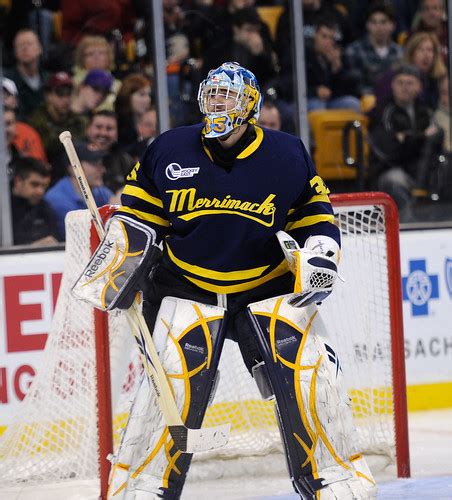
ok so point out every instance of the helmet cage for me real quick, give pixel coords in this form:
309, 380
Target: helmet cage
228, 97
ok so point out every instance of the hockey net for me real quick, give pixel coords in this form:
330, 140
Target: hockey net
65, 423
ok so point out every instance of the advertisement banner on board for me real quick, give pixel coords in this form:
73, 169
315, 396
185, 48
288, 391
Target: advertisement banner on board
29, 285
426, 261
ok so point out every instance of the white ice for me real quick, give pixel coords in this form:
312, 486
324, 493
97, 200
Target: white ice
431, 473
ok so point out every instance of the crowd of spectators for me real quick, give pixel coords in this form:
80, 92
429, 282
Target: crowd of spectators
87, 67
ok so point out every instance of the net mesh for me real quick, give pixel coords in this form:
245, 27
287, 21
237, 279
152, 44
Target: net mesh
54, 436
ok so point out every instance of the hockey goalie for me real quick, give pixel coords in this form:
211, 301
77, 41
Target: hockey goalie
227, 231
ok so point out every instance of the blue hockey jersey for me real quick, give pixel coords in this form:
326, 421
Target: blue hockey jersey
218, 225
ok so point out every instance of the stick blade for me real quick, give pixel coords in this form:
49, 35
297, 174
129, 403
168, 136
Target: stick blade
194, 440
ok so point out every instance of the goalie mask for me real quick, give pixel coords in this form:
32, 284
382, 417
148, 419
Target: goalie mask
228, 97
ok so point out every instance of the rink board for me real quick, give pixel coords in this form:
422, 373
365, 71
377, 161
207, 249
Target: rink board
29, 284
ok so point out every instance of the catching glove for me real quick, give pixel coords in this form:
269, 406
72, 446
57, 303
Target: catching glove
314, 267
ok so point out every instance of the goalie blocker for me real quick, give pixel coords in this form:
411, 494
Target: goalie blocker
120, 265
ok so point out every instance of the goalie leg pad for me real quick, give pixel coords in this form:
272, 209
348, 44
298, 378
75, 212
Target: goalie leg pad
312, 405
189, 337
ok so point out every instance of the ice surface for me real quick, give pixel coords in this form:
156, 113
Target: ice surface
431, 471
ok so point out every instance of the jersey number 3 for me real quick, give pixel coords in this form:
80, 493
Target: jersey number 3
319, 186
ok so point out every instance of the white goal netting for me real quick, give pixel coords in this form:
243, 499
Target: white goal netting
54, 437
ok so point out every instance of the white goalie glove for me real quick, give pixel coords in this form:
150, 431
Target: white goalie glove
314, 267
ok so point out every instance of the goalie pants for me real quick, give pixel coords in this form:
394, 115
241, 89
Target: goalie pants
166, 283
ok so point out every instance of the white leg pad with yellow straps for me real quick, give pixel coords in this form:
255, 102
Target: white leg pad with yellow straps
313, 407
188, 337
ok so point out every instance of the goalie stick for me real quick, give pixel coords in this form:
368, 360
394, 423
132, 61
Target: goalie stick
185, 439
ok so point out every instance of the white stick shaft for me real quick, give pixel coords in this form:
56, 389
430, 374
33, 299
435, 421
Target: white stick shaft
158, 377
66, 140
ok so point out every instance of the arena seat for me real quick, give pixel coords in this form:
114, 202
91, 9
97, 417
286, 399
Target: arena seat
368, 102
340, 145
58, 24
270, 14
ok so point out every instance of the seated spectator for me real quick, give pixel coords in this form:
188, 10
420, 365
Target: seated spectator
35, 15
225, 20
65, 195
313, 10
94, 52
91, 92
134, 99
270, 117
27, 73
248, 46
432, 19
54, 116
21, 139
374, 54
405, 143
33, 219
102, 134
330, 84
148, 125
423, 51
147, 128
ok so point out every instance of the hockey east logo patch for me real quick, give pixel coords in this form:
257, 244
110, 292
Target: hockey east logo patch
174, 171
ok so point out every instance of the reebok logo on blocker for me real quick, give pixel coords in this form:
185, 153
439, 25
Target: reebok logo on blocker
99, 259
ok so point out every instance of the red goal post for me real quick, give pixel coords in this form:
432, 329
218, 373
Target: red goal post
396, 314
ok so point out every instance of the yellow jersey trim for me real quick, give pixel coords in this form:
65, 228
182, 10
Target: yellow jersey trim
249, 150
319, 197
144, 216
140, 193
202, 213
242, 287
215, 275
309, 221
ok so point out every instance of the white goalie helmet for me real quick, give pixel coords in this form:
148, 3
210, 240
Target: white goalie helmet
228, 97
